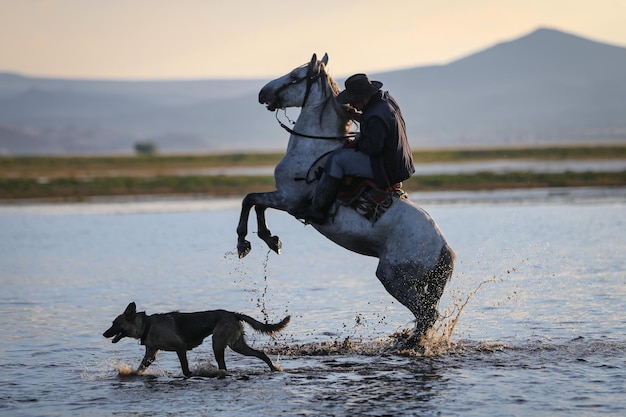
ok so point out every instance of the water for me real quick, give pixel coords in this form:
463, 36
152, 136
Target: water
544, 335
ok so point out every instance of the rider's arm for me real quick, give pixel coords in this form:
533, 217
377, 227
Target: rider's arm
372, 138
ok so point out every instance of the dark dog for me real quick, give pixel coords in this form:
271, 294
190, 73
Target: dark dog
180, 332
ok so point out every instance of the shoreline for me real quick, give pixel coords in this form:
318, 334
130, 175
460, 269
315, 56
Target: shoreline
67, 178
145, 166
76, 190
169, 203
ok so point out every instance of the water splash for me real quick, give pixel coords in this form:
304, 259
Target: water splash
99, 371
124, 369
437, 342
208, 370
241, 277
261, 299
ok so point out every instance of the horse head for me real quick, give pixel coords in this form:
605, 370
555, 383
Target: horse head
297, 88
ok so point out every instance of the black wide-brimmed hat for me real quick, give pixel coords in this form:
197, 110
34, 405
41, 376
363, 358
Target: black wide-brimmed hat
358, 87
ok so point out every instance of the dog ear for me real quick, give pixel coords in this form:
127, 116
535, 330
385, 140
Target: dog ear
130, 311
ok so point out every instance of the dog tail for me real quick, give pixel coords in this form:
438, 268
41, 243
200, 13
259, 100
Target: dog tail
267, 328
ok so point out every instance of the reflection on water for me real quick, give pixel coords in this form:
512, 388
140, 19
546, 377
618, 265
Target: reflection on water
544, 334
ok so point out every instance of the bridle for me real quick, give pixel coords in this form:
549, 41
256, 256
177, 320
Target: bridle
310, 78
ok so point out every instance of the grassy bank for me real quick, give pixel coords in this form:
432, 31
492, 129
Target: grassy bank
80, 189
79, 178
163, 165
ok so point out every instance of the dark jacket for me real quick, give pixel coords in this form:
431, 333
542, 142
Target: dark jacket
383, 138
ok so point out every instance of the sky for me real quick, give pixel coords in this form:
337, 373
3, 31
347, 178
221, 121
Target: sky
191, 39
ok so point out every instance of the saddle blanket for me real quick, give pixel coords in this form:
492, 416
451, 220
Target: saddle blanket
369, 200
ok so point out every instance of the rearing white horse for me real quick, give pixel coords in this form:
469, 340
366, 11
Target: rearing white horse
415, 261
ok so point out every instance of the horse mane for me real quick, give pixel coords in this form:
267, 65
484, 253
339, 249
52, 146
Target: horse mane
334, 88
332, 98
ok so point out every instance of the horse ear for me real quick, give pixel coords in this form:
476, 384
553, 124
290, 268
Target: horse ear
313, 62
325, 59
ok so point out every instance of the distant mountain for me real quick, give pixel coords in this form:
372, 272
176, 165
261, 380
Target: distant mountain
42, 116
547, 87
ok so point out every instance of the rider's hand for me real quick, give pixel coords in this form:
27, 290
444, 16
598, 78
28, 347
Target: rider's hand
353, 113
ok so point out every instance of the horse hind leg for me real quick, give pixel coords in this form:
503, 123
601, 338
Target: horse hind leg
403, 282
432, 288
417, 289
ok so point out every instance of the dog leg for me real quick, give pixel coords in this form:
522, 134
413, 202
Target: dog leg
148, 358
182, 357
241, 347
219, 346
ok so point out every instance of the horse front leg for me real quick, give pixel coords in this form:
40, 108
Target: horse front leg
243, 246
273, 242
261, 201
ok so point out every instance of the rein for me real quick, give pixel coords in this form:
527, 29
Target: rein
306, 178
311, 78
293, 132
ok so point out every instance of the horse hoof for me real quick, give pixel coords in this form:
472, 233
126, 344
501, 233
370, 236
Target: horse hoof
275, 244
415, 342
244, 248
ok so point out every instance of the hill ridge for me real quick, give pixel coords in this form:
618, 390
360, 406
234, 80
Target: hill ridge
546, 87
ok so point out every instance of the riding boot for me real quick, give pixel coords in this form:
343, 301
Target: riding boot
324, 196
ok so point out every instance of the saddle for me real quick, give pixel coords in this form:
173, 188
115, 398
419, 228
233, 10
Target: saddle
367, 198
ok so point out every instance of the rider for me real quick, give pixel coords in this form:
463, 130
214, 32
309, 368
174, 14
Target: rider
380, 151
